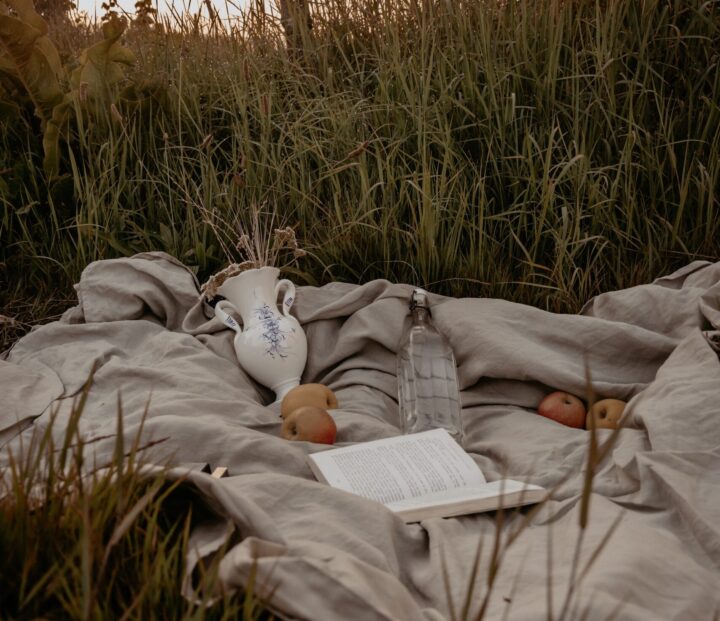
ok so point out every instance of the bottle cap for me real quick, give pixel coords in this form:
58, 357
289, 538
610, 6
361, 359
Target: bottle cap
419, 299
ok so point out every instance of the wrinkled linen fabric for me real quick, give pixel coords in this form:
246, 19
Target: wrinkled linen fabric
326, 554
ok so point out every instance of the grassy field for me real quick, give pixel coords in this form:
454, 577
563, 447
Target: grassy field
542, 152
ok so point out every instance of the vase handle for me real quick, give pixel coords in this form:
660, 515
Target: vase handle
288, 296
225, 317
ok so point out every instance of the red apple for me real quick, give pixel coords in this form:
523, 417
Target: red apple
318, 395
311, 424
606, 414
562, 407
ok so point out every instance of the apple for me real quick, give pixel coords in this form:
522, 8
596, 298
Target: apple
311, 424
562, 407
605, 414
318, 395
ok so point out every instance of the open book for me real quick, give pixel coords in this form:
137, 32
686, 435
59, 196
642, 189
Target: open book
419, 476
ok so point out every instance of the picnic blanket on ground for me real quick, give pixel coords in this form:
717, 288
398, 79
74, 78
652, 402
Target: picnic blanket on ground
331, 555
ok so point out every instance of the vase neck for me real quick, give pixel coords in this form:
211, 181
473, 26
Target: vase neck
251, 289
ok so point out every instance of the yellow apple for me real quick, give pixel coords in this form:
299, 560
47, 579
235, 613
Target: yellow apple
311, 424
318, 395
606, 414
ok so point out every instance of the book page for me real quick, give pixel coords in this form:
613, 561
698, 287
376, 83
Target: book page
399, 468
490, 491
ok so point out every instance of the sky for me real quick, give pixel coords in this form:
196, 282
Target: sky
93, 6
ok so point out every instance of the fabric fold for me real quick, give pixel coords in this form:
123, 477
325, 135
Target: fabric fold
157, 348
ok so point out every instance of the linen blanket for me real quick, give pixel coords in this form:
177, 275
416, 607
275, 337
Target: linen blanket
327, 554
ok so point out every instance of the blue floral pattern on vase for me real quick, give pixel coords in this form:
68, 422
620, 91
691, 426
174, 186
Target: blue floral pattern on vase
272, 334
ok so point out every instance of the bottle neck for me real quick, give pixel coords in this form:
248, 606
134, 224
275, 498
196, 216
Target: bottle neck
420, 316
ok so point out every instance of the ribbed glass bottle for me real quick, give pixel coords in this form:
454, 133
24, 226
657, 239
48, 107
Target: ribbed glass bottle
428, 393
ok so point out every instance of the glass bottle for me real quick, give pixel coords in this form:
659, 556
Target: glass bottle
428, 393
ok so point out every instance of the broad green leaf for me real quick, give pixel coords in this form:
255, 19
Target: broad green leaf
51, 137
28, 57
31, 63
26, 12
102, 65
51, 54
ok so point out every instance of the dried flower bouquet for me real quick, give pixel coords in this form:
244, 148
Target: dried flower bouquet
250, 247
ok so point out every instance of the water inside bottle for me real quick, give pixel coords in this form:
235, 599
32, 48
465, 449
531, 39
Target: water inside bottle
427, 380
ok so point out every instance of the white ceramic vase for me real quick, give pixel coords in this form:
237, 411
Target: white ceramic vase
271, 345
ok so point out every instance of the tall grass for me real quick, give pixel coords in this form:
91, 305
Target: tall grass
111, 543
537, 151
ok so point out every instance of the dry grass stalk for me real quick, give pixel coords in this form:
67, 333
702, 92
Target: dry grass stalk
504, 538
10, 321
250, 244
67, 526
